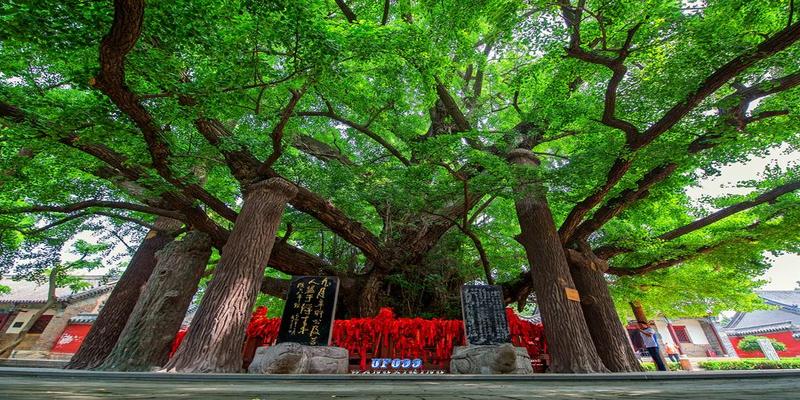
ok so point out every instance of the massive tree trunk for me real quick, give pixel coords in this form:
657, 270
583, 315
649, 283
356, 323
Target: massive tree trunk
609, 336
146, 340
215, 338
119, 305
368, 304
569, 343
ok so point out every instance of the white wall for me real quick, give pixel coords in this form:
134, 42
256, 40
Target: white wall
24, 317
663, 331
693, 328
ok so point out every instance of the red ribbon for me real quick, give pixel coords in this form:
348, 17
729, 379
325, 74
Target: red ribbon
386, 336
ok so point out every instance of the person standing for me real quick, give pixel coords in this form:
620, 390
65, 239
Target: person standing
672, 352
649, 339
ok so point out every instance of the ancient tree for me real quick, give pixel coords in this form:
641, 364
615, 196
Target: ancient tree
387, 130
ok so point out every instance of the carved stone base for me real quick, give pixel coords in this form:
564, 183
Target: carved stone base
294, 358
490, 359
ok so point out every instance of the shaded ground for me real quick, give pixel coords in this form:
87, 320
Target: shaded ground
24, 383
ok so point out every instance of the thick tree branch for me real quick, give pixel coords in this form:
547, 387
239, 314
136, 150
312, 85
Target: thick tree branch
11, 113
320, 150
691, 255
361, 128
324, 211
426, 232
480, 209
572, 17
608, 251
484, 259
766, 197
733, 116
722, 75
662, 264
622, 201
765, 115
294, 261
277, 132
242, 164
275, 287
126, 173
114, 48
118, 205
80, 215
618, 170
451, 107
385, 17
347, 11
245, 166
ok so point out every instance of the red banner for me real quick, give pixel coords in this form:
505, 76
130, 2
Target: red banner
71, 339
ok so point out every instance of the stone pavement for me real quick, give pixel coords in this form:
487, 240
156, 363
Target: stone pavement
39, 383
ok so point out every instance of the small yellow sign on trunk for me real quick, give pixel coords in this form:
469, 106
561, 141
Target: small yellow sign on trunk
572, 294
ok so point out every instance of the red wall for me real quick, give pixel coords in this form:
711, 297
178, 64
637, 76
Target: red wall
71, 338
785, 337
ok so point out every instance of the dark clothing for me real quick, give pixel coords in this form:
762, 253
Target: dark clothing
674, 357
656, 356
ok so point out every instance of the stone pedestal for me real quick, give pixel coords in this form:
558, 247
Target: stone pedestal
295, 358
490, 359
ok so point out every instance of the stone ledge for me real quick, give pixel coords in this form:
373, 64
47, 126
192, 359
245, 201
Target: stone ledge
51, 373
32, 363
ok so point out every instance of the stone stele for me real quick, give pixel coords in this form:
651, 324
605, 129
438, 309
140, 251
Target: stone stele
490, 359
295, 358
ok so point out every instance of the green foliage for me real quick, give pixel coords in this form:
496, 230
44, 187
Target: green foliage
37, 260
750, 343
750, 363
274, 305
651, 367
237, 60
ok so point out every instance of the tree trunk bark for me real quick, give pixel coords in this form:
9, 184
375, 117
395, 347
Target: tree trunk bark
638, 311
214, 341
609, 336
145, 342
568, 341
368, 305
119, 305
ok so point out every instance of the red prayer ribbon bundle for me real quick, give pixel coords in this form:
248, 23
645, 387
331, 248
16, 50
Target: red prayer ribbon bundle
386, 336
526, 334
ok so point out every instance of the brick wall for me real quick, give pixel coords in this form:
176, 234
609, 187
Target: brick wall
53, 331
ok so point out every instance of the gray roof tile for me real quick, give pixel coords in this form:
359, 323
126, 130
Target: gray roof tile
27, 292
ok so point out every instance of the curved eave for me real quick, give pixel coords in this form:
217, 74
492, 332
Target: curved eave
762, 329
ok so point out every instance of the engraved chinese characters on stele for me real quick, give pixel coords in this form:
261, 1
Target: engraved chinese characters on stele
310, 308
484, 315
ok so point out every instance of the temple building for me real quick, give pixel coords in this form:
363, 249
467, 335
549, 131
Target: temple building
694, 337
781, 323
58, 332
